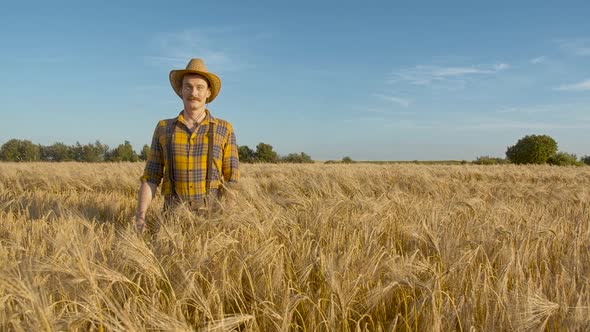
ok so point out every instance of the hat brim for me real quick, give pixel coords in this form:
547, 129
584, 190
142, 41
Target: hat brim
176, 81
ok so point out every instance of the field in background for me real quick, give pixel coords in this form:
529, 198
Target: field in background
394, 162
311, 247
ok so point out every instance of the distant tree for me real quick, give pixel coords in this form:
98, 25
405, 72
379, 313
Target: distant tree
20, 150
585, 160
265, 153
44, 153
347, 160
124, 152
93, 153
145, 152
246, 154
532, 149
10, 151
59, 152
298, 158
77, 152
30, 151
90, 153
487, 160
564, 159
101, 149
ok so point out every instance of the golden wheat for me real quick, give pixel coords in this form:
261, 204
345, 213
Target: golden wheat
301, 247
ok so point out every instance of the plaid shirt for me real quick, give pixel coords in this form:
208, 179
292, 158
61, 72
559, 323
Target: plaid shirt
190, 157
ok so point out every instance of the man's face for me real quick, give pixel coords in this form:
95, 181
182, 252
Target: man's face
195, 92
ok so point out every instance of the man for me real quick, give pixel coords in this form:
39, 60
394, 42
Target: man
195, 153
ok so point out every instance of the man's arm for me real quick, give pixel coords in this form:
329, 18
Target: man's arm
230, 165
147, 191
151, 178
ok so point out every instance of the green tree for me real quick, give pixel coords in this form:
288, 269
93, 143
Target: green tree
123, 152
347, 160
60, 152
93, 153
532, 149
585, 160
90, 153
20, 150
564, 159
246, 154
145, 152
101, 150
265, 153
44, 153
10, 151
298, 158
78, 152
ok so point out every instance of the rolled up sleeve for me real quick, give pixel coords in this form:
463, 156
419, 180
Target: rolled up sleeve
231, 162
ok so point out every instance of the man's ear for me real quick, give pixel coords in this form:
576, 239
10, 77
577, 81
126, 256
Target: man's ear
208, 92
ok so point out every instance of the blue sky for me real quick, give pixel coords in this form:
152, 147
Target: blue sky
371, 80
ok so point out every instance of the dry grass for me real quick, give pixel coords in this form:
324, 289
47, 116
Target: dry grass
314, 247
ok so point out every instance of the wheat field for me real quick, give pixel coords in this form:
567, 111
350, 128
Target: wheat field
299, 248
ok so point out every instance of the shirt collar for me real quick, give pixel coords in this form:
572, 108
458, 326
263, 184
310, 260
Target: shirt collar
208, 118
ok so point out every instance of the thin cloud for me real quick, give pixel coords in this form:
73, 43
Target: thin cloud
486, 125
428, 74
579, 47
525, 110
373, 114
168, 61
397, 100
539, 60
472, 125
575, 119
507, 124
501, 66
564, 108
174, 50
458, 71
379, 118
492, 124
582, 86
45, 59
385, 111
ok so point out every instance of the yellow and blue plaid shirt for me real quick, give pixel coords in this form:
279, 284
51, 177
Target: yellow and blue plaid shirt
189, 151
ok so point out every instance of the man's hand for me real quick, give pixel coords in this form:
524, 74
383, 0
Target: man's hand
230, 195
147, 190
230, 190
140, 224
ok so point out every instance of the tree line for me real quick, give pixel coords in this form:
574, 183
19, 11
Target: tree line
531, 149
264, 153
25, 150
536, 149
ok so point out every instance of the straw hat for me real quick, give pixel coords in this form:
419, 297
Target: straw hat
195, 66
